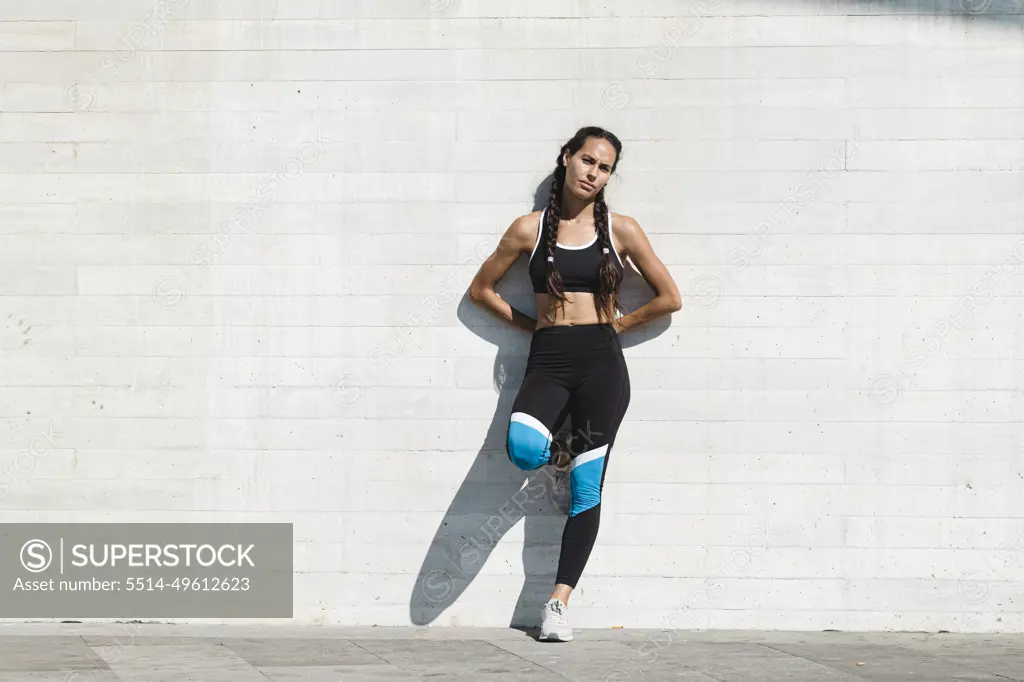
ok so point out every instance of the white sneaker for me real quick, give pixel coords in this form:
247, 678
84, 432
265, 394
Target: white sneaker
555, 622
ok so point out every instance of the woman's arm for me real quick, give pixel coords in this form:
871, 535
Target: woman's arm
639, 250
519, 237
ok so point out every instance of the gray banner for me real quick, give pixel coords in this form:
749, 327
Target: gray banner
146, 570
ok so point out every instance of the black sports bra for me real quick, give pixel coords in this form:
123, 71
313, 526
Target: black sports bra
579, 266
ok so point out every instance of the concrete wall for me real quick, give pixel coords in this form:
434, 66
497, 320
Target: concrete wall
236, 236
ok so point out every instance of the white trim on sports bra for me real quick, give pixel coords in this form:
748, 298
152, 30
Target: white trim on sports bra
611, 237
540, 229
577, 248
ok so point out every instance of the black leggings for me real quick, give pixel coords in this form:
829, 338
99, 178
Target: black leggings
577, 371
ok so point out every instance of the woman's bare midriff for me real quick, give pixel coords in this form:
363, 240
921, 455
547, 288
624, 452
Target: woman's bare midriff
578, 309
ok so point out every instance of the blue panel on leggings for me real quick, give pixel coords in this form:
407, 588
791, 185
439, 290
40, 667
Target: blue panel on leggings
586, 486
527, 446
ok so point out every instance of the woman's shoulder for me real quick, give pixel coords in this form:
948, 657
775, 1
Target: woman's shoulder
624, 223
530, 222
531, 218
524, 230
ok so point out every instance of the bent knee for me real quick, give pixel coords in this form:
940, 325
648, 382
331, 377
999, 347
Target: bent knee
529, 441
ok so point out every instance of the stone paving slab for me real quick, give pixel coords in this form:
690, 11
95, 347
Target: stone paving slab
729, 662
582, 660
209, 660
998, 658
45, 652
473, 659
40, 653
302, 652
334, 673
59, 676
887, 663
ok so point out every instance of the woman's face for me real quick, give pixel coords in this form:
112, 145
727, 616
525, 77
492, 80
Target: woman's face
588, 170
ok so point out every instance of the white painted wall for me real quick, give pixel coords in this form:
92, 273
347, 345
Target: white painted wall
827, 436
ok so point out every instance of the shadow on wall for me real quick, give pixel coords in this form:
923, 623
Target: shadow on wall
990, 10
495, 494
1008, 11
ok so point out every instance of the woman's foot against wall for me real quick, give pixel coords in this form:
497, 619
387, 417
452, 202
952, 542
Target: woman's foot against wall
561, 487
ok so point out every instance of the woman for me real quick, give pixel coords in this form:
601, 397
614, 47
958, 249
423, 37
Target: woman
575, 367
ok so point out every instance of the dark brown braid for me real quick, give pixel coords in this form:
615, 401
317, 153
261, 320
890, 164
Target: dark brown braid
606, 298
556, 288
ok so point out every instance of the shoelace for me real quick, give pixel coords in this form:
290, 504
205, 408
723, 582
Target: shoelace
556, 606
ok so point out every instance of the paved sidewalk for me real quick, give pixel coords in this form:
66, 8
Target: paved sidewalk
178, 653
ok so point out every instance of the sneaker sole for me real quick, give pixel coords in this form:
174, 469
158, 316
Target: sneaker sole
552, 637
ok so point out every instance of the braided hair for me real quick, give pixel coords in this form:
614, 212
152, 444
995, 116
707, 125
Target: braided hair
606, 298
